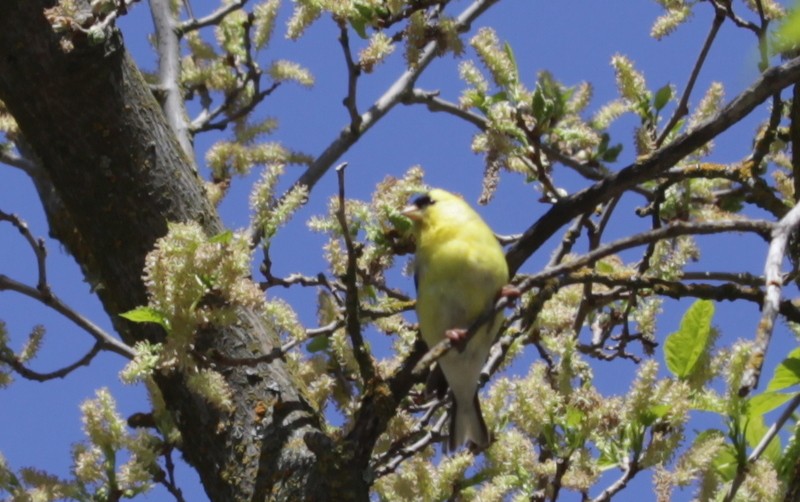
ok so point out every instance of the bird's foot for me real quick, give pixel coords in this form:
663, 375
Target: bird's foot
509, 291
456, 335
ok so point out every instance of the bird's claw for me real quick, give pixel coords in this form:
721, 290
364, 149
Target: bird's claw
509, 291
456, 335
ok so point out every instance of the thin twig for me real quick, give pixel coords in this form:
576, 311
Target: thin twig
676, 229
441, 348
352, 308
678, 290
434, 103
767, 135
631, 469
393, 95
353, 72
727, 7
568, 240
37, 376
650, 167
772, 297
732, 277
203, 122
168, 481
168, 47
757, 191
683, 105
107, 341
400, 451
211, 19
43, 293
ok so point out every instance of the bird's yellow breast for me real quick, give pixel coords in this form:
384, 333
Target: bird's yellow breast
459, 276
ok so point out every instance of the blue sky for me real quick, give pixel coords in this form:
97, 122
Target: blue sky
573, 39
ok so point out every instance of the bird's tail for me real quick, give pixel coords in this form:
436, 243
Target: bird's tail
467, 424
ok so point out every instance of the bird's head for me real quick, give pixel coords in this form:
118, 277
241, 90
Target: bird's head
432, 205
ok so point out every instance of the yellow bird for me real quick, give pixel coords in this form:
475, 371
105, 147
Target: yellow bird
460, 270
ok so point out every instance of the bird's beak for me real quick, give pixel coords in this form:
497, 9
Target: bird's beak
411, 212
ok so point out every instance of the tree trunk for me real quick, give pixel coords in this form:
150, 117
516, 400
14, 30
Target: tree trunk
88, 115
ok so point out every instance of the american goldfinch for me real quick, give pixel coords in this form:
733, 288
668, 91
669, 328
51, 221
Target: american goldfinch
459, 271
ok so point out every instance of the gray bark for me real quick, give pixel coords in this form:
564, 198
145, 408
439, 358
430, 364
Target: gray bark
121, 175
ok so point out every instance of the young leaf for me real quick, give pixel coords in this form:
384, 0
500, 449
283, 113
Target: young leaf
538, 104
766, 402
605, 267
146, 314
222, 238
683, 348
510, 53
318, 344
662, 97
611, 154
787, 373
725, 462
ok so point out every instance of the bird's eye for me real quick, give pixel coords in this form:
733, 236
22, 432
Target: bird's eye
423, 201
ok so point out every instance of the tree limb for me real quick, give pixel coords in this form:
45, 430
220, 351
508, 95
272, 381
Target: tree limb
168, 48
569, 207
683, 109
393, 95
773, 283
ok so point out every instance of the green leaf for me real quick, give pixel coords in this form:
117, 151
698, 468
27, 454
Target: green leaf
498, 97
787, 373
662, 97
510, 53
604, 267
725, 462
604, 140
611, 154
683, 348
787, 35
318, 344
538, 104
609, 459
766, 402
204, 280
222, 238
660, 410
360, 27
365, 11
574, 416
146, 314
606, 153
366, 15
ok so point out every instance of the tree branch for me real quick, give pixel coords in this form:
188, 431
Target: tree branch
393, 95
772, 297
25, 372
631, 469
683, 105
212, 19
353, 73
352, 321
120, 195
44, 295
12, 159
569, 207
676, 229
167, 40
